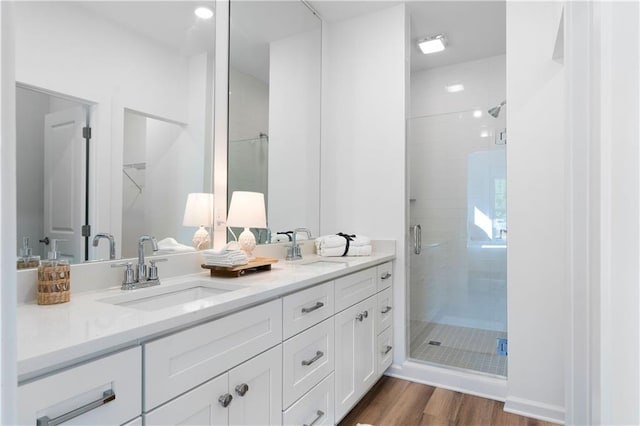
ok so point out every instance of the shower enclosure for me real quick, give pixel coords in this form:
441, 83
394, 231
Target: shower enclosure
457, 264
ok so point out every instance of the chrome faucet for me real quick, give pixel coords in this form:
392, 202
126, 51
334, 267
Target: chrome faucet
294, 252
112, 243
141, 268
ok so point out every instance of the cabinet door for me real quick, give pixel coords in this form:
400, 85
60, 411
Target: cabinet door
104, 391
256, 387
355, 350
201, 406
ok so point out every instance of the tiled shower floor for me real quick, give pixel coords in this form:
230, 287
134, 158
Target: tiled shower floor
461, 347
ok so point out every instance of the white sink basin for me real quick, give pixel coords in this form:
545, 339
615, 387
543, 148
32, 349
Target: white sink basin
156, 298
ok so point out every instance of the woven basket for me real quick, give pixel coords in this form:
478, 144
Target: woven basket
54, 284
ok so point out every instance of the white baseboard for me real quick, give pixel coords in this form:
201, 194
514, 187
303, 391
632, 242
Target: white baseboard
534, 409
455, 380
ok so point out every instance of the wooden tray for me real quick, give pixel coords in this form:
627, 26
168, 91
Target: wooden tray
258, 264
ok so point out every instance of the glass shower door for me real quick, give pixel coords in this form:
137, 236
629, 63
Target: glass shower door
457, 181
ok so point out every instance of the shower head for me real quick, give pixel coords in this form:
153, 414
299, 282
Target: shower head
495, 111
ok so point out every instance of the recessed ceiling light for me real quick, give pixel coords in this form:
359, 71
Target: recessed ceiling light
484, 134
432, 44
453, 88
477, 113
203, 13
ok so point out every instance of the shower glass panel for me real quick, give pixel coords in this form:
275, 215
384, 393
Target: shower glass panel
458, 309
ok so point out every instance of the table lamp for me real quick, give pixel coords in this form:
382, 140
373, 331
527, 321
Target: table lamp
247, 211
199, 212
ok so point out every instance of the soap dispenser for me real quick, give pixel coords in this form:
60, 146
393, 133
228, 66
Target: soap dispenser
54, 278
27, 259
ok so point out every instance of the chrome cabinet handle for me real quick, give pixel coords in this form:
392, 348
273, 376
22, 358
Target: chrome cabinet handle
417, 239
225, 400
386, 276
318, 305
386, 309
319, 415
107, 396
242, 389
362, 315
319, 355
387, 349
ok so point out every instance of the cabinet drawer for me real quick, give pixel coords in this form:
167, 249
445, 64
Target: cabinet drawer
385, 275
183, 360
64, 392
316, 406
384, 313
384, 354
199, 406
355, 288
308, 357
305, 308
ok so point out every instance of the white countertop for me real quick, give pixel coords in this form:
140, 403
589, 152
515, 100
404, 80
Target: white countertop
56, 336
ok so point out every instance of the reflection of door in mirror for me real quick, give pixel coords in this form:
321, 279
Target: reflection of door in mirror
51, 172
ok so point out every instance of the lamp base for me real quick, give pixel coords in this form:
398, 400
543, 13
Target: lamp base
247, 243
201, 239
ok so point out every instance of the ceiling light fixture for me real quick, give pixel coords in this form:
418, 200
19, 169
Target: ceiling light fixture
432, 44
477, 113
453, 88
203, 13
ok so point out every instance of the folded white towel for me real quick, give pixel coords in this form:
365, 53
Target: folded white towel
170, 245
330, 241
279, 238
339, 251
229, 255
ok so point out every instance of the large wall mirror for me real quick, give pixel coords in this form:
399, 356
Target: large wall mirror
140, 75
274, 110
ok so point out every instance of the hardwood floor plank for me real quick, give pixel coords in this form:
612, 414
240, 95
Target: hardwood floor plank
372, 407
428, 420
444, 404
408, 407
476, 411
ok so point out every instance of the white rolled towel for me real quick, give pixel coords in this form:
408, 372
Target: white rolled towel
339, 251
170, 245
329, 241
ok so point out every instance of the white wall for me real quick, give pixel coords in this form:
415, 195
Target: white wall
536, 205
31, 107
8, 375
363, 135
294, 133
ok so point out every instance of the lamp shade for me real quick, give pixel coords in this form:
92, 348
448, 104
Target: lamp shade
199, 209
247, 210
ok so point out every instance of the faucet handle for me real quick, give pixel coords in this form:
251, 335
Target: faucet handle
128, 274
153, 269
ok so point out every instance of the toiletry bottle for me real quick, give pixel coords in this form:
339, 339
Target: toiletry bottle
27, 259
54, 278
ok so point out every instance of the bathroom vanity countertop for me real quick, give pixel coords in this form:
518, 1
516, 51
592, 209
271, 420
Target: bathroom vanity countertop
55, 336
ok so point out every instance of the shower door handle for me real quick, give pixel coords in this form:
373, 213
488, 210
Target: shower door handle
417, 239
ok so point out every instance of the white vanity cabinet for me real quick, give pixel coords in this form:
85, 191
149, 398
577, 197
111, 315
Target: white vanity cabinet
103, 391
249, 394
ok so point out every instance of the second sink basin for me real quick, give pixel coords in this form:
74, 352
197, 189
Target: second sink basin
156, 298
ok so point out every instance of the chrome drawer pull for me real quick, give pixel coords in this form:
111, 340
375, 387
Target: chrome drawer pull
242, 389
313, 308
107, 396
319, 355
225, 400
385, 310
386, 276
387, 350
319, 414
362, 315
